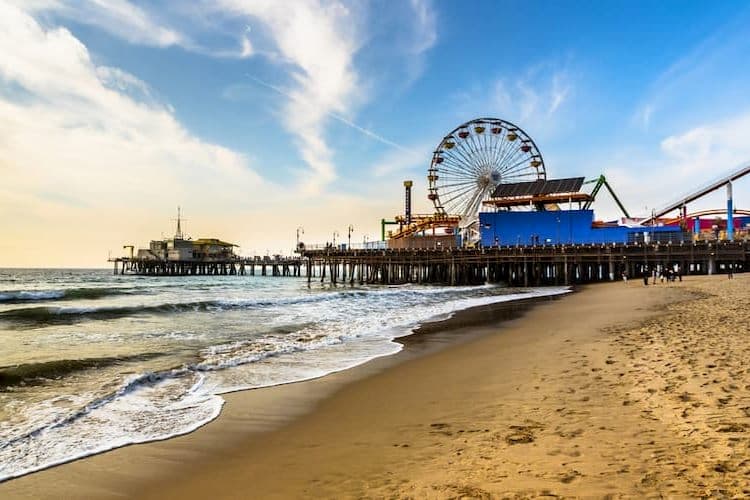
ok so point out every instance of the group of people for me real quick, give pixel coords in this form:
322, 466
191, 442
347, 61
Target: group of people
663, 274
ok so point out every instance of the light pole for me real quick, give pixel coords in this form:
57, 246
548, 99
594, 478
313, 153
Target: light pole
351, 230
335, 235
300, 230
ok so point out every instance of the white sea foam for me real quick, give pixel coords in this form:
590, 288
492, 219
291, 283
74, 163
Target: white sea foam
274, 338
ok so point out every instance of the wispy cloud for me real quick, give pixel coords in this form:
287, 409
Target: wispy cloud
535, 99
231, 93
119, 17
99, 137
684, 162
317, 40
139, 25
694, 73
425, 26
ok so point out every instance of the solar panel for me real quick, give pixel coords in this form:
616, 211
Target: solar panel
539, 187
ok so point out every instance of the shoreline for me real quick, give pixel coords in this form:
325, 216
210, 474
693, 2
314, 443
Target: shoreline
523, 409
424, 338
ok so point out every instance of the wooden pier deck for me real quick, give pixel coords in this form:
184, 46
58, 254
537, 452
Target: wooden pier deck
517, 265
239, 266
524, 265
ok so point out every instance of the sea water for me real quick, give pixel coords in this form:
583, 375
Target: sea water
91, 361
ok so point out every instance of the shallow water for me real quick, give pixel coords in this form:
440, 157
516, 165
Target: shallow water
91, 361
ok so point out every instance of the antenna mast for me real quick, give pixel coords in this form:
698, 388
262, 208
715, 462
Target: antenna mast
178, 234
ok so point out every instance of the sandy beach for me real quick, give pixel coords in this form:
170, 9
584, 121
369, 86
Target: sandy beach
617, 390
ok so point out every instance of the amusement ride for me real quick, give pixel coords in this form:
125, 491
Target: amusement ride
467, 166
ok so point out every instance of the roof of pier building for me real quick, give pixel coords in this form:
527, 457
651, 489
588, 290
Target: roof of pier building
538, 192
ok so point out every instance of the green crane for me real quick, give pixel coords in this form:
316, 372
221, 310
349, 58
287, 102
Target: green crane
602, 181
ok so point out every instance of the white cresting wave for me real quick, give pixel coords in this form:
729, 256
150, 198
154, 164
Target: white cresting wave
160, 405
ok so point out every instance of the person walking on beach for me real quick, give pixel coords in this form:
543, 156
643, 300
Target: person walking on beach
645, 277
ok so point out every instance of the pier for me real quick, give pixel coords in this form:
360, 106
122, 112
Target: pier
524, 265
529, 265
235, 266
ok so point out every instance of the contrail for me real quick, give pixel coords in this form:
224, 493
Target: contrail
338, 117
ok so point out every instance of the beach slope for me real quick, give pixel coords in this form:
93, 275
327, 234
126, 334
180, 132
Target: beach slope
619, 389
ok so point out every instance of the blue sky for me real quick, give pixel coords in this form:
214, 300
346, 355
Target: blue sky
262, 116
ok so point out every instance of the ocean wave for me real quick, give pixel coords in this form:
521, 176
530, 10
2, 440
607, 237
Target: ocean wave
22, 296
39, 373
52, 315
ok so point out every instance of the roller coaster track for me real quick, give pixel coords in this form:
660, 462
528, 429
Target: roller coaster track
713, 186
703, 213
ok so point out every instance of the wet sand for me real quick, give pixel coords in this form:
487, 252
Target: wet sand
620, 390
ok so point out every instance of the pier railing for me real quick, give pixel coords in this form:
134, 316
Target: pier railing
513, 264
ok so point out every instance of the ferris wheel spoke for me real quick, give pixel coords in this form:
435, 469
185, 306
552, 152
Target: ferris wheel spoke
521, 174
476, 200
464, 157
460, 164
477, 149
517, 177
518, 166
481, 150
457, 190
506, 148
459, 194
461, 156
487, 141
507, 157
497, 151
457, 184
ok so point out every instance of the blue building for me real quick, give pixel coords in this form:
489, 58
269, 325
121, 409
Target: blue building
553, 227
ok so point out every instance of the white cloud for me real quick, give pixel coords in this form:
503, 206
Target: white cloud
684, 162
139, 25
536, 100
79, 143
670, 98
425, 26
540, 92
119, 17
318, 40
642, 116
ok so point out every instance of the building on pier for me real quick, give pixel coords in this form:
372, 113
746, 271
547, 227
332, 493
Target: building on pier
182, 248
545, 220
188, 250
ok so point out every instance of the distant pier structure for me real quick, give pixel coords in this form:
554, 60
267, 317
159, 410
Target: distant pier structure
184, 256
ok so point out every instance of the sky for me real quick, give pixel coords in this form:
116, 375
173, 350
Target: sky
262, 117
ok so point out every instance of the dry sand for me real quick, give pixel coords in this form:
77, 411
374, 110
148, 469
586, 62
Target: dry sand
619, 390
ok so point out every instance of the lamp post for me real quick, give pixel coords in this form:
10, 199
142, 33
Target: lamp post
335, 235
300, 230
351, 230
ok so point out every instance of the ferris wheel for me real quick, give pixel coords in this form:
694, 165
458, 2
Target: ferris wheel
473, 159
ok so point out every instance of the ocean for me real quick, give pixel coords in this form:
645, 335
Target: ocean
91, 361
